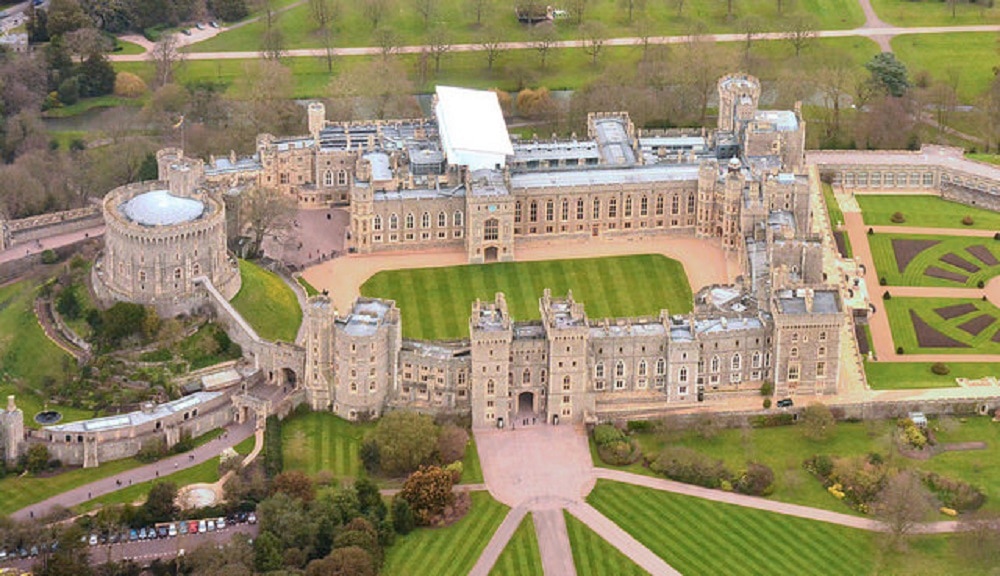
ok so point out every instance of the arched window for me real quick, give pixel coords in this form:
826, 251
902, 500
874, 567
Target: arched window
517, 211
533, 211
675, 204
642, 367
613, 208
690, 204
526, 377
142, 276
342, 178
597, 208
377, 223
661, 367
620, 369
682, 375
821, 351
177, 273
196, 269
542, 377
716, 363
409, 220
737, 362
794, 352
659, 205
579, 208
393, 222
425, 220
822, 336
442, 219
549, 211
756, 360
599, 370
328, 178
457, 218
567, 383
565, 209
644, 206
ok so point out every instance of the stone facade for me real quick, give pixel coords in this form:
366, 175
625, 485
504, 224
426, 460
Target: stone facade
11, 432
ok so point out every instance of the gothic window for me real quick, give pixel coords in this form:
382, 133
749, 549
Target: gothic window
597, 208
644, 206
409, 220
579, 209
457, 218
425, 220
196, 269
675, 204
821, 369
565, 209
342, 178
767, 359
549, 211
642, 367
794, 352
328, 178
491, 229
142, 276
393, 222
517, 211
542, 378
533, 211
526, 377
755, 361
737, 362
620, 369
793, 372
599, 370
661, 367
716, 364
491, 388
377, 223
566, 382
690, 207
659, 205
177, 274
613, 208
283, 178
628, 207
795, 336
821, 351
682, 375
442, 219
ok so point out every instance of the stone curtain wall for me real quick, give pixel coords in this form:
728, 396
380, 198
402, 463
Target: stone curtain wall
46, 225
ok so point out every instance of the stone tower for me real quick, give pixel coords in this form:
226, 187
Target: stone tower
731, 202
316, 114
566, 332
11, 432
739, 95
491, 332
320, 316
489, 232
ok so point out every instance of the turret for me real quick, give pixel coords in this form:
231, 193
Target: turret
316, 113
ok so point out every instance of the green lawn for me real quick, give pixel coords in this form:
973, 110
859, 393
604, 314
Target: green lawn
698, 536
594, 556
309, 288
903, 333
436, 302
267, 303
987, 158
321, 441
905, 375
201, 348
913, 275
521, 556
206, 472
836, 216
472, 471
128, 47
964, 60
352, 29
85, 104
933, 13
19, 492
924, 212
449, 551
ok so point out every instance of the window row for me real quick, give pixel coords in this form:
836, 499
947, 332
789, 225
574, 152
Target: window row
409, 223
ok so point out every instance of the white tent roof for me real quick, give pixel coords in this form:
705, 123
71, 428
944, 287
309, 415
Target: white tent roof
472, 128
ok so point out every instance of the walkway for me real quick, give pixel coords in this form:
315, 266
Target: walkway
19, 251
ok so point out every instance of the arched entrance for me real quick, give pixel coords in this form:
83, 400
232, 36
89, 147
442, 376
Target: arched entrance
526, 403
491, 254
288, 377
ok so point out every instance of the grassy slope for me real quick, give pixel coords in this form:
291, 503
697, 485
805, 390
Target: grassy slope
267, 303
594, 556
904, 335
966, 58
521, 556
716, 538
450, 551
22, 345
352, 29
435, 302
472, 471
929, 13
321, 441
924, 212
987, 158
19, 492
207, 471
885, 260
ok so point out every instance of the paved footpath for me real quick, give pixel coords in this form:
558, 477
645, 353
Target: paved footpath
232, 436
553, 542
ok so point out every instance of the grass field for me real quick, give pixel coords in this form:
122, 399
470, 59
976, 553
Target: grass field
521, 556
907, 375
472, 471
321, 441
594, 556
19, 492
353, 29
932, 13
885, 260
207, 472
987, 158
716, 538
924, 212
964, 60
435, 302
449, 551
267, 303
903, 333
309, 288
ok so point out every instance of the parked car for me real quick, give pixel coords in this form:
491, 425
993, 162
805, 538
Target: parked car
162, 532
213, 24
199, 26
133, 535
193, 527
3, 555
252, 518
172, 530
785, 403
34, 551
182, 528
210, 525
186, 32
202, 526
142, 533
93, 540
220, 523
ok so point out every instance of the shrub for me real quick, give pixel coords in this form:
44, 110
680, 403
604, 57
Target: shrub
605, 434
897, 218
369, 455
428, 490
940, 368
767, 403
69, 91
406, 440
129, 85
954, 493
996, 236
968, 221
619, 453
980, 284
821, 465
49, 257
455, 469
451, 443
402, 516
882, 281
686, 465
861, 480
817, 422
639, 426
886, 295
772, 420
767, 388
900, 350
757, 480
911, 434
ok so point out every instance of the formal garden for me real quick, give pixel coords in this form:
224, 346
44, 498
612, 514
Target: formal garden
934, 261
924, 212
436, 302
943, 325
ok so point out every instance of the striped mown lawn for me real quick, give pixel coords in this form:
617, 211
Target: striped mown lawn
449, 551
472, 471
698, 536
521, 556
436, 302
321, 441
267, 303
594, 556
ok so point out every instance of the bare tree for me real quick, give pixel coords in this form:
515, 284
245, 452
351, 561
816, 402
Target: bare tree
577, 8
633, 6
165, 57
324, 13
479, 7
678, 6
272, 44
374, 11
704, 63
542, 40
427, 10
800, 32
750, 27
491, 41
267, 212
902, 504
594, 35
387, 41
86, 41
729, 9
438, 44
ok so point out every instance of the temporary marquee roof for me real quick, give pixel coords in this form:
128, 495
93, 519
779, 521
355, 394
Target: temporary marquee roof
472, 128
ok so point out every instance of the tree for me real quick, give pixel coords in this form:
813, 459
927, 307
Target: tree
428, 490
288, 520
750, 27
296, 484
800, 32
85, 41
888, 74
491, 41
374, 11
729, 9
817, 422
70, 558
479, 8
229, 10
66, 16
68, 304
165, 57
323, 14
438, 44
97, 76
633, 6
405, 440
543, 38
577, 8
834, 79
370, 503
387, 41
902, 504
427, 9
37, 458
402, 516
594, 35
268, 213
379, 89
451, 443
160, 505
347, 561
535, 104
267, 552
